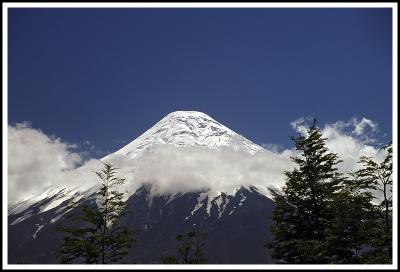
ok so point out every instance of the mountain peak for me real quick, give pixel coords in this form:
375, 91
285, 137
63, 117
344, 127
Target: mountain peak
184, 129
186, 113
180, 116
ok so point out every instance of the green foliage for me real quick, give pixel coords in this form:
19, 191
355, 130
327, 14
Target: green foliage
378, 177
99, 238
190, 249
304, 208
323, 217
353, 216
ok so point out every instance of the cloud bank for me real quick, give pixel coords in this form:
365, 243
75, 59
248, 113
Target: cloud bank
37, 161
172, 170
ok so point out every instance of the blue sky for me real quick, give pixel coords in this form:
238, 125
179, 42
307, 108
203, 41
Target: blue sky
107, 75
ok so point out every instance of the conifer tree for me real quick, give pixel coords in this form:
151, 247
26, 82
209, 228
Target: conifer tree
99, 238
190, 249
378, 176
304, 208
353, 216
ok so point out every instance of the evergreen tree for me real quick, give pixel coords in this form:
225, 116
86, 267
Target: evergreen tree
99, 238
304, 208
378, 176
353, 216
190, 249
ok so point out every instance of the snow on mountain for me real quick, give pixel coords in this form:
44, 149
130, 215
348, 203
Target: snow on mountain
213, 207
180, 129
48, 200
187, 129
183, 129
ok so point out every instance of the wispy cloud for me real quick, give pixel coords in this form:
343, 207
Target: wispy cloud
349, 139
120, 141
359, 127
276, 148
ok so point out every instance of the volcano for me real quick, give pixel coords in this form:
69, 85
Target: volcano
235, 220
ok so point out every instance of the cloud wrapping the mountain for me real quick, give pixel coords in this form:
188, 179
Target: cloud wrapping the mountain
172, 170
36, 161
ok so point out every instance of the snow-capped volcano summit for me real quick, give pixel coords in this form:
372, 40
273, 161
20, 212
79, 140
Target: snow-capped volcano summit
183, 129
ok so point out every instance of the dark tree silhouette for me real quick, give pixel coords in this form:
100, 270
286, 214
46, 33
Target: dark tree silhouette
304, 207
99, 238
190, 250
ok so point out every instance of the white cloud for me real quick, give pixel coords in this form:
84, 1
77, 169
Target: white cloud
194, 168
365, 130
359, 127
349, 139
276, 148
300, 124
36, 161
348, 148
172, 170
